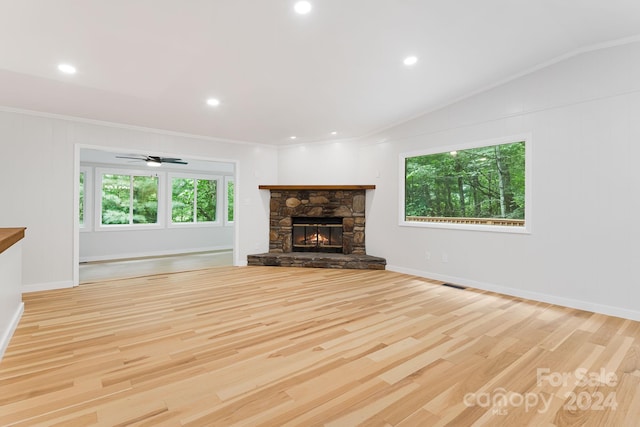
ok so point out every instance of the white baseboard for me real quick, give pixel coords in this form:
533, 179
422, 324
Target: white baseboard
11, 328
37, 287
117, 256
535, 296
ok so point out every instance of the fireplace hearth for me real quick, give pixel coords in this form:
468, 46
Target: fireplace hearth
317, 226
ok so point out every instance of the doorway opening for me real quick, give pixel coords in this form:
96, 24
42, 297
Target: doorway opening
155, 218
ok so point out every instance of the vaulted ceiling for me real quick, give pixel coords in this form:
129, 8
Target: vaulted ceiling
278, 74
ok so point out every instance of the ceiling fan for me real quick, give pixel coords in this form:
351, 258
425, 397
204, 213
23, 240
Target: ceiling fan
155, 160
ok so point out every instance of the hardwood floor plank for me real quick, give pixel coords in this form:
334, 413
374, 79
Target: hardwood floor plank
267, 346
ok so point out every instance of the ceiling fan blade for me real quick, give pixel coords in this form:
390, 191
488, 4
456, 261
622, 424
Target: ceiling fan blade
128, 157
176, 161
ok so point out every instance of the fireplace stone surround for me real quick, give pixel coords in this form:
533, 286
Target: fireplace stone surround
346, 202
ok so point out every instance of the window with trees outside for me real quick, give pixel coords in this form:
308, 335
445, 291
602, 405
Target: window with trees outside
230, 198
479, 186
194, 199
85, 192
128, 199
81, 196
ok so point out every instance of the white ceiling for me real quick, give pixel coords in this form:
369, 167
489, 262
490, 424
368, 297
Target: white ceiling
153, 63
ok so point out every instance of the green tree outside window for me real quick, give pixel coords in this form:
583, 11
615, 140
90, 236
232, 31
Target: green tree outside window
230, 200
81, 200
128, 199
193, 200
482, 183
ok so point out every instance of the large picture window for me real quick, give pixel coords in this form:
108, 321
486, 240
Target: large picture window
481, 186
128, 199
194, 199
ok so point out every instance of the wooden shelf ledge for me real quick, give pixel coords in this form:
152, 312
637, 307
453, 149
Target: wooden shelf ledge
10, 236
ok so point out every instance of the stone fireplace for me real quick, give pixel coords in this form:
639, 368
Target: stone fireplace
317, 226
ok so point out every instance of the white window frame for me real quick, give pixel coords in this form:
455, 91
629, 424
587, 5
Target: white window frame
527, 229
219, 200
227, 180
99, 172
88, 199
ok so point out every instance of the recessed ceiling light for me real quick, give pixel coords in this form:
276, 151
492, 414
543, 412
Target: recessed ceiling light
302, 7
213, 102
292, 137
67, 68
334, 133
410, 60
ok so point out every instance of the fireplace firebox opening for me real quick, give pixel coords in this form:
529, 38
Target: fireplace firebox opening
317, 234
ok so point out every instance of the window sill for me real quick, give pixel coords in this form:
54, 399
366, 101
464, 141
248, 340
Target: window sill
195, 225
125, 227
468, 227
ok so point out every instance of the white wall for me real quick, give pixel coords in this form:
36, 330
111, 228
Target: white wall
584, 118
109, 245
332, 163
37, 179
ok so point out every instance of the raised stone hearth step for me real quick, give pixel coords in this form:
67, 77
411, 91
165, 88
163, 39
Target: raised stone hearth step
318, 260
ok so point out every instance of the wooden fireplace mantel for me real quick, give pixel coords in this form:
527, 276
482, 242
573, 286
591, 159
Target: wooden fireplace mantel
316, 187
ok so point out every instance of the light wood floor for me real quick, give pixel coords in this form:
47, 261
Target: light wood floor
266, 346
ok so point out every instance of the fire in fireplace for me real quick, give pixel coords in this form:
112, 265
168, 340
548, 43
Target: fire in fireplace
317, 234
